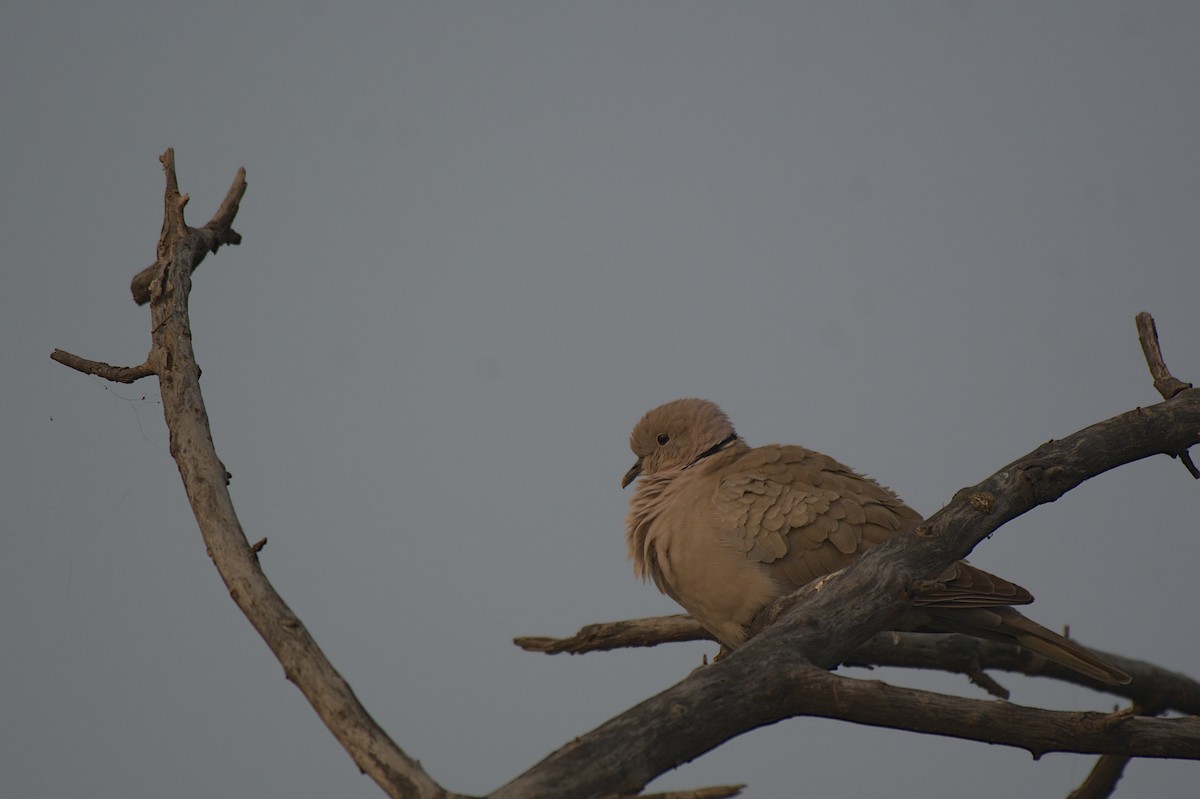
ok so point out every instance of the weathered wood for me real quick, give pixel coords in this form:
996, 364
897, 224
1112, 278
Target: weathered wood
203, 240
960, 654
117, 374
604, 636
205, 480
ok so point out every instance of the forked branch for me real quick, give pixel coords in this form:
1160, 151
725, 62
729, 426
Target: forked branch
180, 249
117, 374
201, 241
1167, 384
947, 652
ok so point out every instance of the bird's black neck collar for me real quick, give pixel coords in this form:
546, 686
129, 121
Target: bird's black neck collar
714, 449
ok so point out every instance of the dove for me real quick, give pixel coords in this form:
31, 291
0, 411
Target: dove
725, 529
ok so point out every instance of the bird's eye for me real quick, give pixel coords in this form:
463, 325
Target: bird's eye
663, 438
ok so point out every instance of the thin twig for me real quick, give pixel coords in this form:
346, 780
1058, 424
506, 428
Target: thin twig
958, 654
712, 792
979, 677
1102, 781
619, 635
1167, 384
117, 374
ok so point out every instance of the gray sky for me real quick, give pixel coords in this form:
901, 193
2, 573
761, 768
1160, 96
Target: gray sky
480, 241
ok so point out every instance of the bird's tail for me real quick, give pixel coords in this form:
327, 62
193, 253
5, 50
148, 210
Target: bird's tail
1006, 624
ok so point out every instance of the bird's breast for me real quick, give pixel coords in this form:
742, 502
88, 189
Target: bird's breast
675, 538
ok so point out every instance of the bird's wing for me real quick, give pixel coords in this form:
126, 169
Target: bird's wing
965, 586
803, 513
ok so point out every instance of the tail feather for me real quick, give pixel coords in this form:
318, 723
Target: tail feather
1006, 624
1063, 651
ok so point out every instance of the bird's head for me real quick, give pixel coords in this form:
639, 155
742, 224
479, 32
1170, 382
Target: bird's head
676, 435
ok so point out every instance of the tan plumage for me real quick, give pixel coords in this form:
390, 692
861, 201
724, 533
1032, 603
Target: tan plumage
724, 530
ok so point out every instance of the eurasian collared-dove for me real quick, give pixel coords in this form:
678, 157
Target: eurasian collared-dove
724, 530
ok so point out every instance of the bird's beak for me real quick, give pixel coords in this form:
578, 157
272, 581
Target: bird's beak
632, 474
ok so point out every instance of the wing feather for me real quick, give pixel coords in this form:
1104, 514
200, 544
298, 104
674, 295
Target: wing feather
803, 513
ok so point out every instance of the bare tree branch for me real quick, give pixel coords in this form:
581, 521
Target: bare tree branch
714, 792
620, 635
117, 374
715, 703
202, 241
948, 652
1102, 780
1035, 730
204, 479
180, 249
1168, 690
1167, 384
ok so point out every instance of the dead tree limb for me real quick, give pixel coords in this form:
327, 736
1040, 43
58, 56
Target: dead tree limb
750, 690
1102, 780
1166, 383
960, 654
713, 792
180, 249
117, 374
605, 636
201, 241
